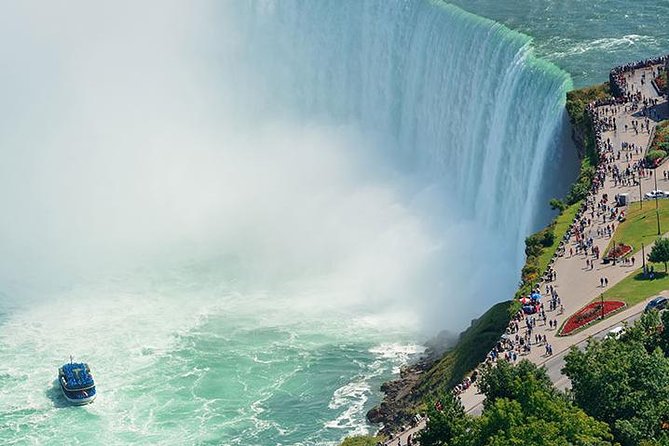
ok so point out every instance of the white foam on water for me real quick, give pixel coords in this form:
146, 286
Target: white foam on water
120, 334
318, 165
399, 354
597, 46
397, 351
354, 395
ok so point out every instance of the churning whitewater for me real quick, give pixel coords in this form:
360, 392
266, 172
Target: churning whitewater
246, 215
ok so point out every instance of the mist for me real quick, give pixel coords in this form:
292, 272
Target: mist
154, 135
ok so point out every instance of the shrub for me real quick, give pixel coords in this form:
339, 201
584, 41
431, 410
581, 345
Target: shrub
548, 238
361, 441
530, 272
533, 245
577, 192
578, 100
661, 82
660, 142
558, 205
655, 155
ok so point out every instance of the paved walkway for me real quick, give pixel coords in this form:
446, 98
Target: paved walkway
576, 284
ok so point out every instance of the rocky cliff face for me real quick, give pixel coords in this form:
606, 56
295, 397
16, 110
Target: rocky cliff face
444, 365
401, 398
579, 135
402, 395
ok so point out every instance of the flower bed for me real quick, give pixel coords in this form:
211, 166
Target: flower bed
589, 314
617, 252
661, 82
660, 141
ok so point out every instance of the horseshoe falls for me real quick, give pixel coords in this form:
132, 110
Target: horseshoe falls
247, 215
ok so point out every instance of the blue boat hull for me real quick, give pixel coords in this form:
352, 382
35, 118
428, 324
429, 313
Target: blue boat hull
76, 383
75, 397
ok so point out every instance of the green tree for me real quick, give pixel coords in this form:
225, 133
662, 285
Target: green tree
578, 191
543, 419
646, 331
508, 381
548, 238
663, 332
533, 246
660, 252
654, 155
623, 384
522, 408
557, 205
448, 426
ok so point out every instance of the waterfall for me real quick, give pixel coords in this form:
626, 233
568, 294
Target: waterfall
356, 141
257, 207
455, 95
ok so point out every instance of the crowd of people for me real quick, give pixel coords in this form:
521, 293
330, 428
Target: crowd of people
521, 335
618, 78
597, 216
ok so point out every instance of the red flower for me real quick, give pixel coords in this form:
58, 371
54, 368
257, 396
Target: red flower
619, 251
588, 314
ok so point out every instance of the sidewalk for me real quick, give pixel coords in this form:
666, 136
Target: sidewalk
474, 402
576, 284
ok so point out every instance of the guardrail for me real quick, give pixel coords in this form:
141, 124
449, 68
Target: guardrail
614, 75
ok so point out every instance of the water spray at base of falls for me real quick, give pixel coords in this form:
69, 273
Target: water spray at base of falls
257, 208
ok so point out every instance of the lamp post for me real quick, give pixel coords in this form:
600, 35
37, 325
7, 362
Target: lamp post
655, 178
657, 212
643, 259
601, 297
640, 196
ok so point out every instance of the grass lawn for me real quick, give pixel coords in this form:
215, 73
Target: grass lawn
634, 288
562, 223
641, 225
364, 440
471, 349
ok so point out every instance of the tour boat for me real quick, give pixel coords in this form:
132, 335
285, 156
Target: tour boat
77, 383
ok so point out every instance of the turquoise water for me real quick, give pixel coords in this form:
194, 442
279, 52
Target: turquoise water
585, 38
254, 227
180, 363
